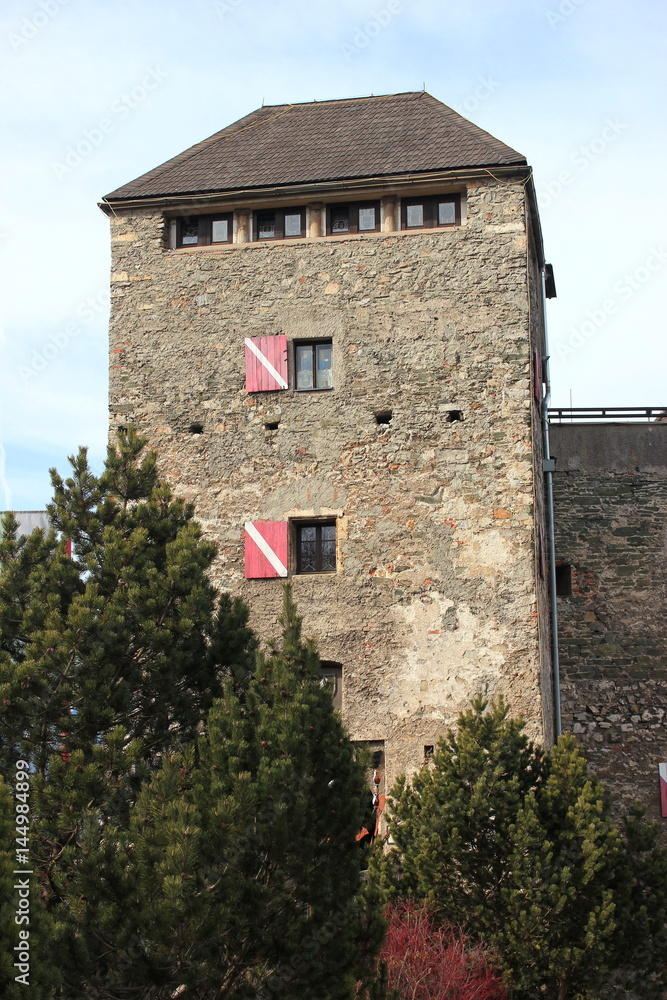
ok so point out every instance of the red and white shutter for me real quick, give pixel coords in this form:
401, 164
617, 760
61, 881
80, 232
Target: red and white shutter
265, 363
265, 549
663, 787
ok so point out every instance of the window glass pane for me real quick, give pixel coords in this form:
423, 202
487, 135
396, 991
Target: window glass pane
366, 219
323, 354
415, 215
308, 549
340, 219
330, 681
328, 546
266, 225
304, 367
219, 231
446, 213
293, 224
190, 232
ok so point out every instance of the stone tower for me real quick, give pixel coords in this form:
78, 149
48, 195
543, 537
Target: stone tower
328, 319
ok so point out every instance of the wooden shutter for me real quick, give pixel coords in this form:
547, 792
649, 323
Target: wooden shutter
265, 549
265, 363
537, 376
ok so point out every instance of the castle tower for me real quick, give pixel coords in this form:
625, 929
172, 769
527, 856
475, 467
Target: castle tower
328, 320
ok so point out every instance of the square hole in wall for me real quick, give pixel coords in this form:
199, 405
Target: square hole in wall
564, 580
383, 417
454, 415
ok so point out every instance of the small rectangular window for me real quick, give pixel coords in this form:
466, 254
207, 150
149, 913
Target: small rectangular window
220, 231
431, 212
340, 219
366, 219
357, 217
314, 365
415, 215
316, 547
447, 213
266, 225
332, 677
280, 223
203, 230
189, 232
293, 224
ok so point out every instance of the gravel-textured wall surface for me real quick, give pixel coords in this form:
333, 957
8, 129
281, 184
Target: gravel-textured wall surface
435, 595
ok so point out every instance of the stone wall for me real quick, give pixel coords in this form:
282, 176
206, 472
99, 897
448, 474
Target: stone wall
435, 594
611, 527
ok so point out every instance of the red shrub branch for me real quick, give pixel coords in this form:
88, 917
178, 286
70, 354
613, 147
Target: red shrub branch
426, 962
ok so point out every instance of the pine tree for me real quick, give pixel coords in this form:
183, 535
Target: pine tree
238, 873
517, 847
451, 823
109, 661
560, 907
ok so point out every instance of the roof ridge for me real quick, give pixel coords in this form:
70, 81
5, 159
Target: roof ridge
342, 100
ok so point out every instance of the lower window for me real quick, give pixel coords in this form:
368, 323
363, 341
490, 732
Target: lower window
332, 677
313, 365
316, 547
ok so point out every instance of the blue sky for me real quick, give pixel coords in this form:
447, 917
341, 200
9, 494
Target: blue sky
95, 92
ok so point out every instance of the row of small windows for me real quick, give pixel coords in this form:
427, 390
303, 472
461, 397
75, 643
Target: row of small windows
290, 223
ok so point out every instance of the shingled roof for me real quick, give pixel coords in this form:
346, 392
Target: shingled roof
325, 141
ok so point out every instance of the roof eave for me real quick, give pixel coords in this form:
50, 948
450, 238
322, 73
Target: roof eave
382, 181
531, 194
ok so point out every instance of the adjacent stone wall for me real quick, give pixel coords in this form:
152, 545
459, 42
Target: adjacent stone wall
435, 597
611, 527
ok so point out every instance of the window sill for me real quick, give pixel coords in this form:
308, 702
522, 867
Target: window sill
321, 575
300, 241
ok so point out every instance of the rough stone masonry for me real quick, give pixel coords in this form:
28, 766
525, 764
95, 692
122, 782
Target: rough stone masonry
610, 497
435, 596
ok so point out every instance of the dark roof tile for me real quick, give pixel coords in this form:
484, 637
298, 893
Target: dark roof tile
326, 141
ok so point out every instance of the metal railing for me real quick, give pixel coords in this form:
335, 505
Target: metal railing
624, 414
